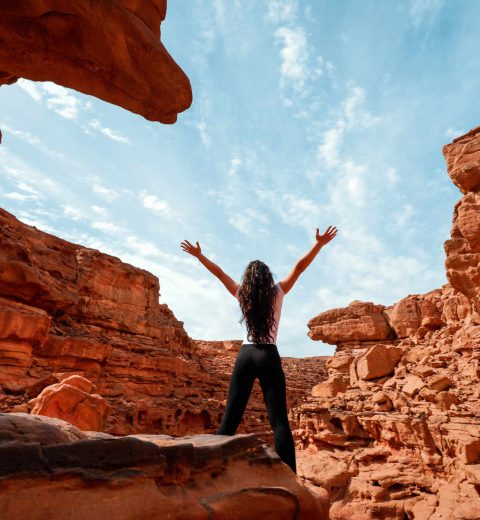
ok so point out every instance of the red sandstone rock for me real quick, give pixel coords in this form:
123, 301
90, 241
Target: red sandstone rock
407, 443
378, 361
67, 309
463, 161
77, 474
359, 321
109, 49
409, 314
72, 401
331, 387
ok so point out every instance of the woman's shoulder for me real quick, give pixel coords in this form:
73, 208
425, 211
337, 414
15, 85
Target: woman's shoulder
279, 288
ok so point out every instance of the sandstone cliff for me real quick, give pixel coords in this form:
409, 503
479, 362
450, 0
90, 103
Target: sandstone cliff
109, 49
394, 433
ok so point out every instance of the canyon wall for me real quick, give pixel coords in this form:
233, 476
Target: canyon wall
394, 432
109, 49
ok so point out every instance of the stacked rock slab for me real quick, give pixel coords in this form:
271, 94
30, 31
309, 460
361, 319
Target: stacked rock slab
394, 432
109, 49
79, 474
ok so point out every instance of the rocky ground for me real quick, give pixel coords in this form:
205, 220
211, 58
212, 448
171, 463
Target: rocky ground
78, 474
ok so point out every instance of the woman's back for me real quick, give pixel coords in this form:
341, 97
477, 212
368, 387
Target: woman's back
277, 309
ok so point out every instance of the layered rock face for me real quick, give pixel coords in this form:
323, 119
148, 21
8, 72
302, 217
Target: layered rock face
394, 432
109, 49
66, 309
82, 474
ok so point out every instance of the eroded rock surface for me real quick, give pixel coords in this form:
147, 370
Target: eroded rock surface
394, 432
109, 49
79, 474
72, 400
68, 310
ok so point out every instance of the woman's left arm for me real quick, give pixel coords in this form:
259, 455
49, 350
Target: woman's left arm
231, 285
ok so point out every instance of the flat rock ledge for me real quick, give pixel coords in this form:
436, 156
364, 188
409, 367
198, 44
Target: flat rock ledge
51, 469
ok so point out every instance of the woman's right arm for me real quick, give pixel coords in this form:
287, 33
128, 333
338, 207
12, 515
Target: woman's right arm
289, 281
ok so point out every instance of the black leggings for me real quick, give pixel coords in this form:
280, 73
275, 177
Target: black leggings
262, 361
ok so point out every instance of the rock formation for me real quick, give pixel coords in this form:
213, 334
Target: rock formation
72, 401
109, 49
69, 310
77, 474
394, 432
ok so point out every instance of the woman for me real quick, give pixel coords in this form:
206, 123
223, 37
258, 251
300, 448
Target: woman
261, 303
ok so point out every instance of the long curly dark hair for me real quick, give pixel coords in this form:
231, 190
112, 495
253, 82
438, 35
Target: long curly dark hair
257, 296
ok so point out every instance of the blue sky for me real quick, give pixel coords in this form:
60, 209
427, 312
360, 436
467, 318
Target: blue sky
305, 114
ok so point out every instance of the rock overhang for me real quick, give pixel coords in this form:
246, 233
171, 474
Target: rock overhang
109, 49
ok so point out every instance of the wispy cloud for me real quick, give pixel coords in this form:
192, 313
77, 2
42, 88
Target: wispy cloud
105, 193
249, 221
73, 213
96, 125
422, 10
31, 139
294, 56
56, 98
158, 206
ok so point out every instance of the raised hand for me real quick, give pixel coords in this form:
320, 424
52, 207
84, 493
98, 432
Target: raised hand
327, 236
190, 249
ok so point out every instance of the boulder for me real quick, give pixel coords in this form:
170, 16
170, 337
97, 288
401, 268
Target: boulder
360, 321
380, 360
71, 401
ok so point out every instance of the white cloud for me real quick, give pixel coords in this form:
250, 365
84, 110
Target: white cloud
107, 227
23, 175
235, 164
392, 176
106, 193
294, 55
249, 221
57, 98
403, 217
355, 115
99, 210
73, 213
158, 206
282, 11
95, 124
30, 88
26, 187
424, 10
201, 126
31, 139
351, 117
328, 150
20, 197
